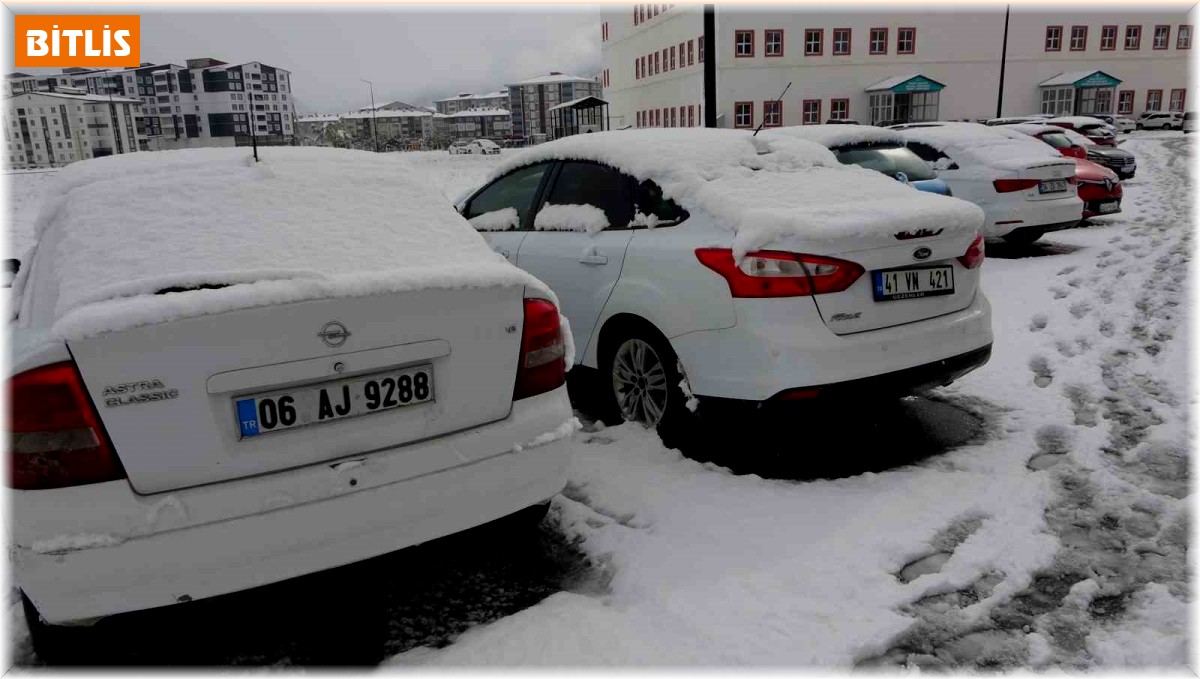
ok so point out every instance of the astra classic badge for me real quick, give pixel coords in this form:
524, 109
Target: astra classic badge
131, 393
922, 253
334, 334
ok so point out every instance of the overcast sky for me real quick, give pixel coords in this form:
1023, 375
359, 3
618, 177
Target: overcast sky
412, 54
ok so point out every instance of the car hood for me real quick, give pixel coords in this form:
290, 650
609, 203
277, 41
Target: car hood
1088, 171
1108, 152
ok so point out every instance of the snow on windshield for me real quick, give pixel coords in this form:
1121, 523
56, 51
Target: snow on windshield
763, 189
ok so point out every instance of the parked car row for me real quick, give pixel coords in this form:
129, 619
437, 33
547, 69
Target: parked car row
485, 147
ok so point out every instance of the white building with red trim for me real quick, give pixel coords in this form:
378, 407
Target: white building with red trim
876, 66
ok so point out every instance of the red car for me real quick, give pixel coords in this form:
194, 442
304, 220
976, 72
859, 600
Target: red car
1093, 128
1099, 187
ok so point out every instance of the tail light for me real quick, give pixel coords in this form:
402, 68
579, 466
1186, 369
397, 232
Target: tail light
57, 438
773, 273
973, 257
542, 364
1073, 179
1010, 185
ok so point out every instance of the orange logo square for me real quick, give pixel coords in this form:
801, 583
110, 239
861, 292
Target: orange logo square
84, 40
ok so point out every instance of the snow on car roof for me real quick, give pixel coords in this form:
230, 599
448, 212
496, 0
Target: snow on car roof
305, 223
832, 136
762, 188
1077, 121
984, 145
1032, 129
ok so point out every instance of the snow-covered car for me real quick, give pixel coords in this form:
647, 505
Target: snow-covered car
1025, 187
1124, 125
713, 265
278, 369
1159, 120
874, 148
1189, 122
485, 147
1097, 130
1099, 187
1117, 159
1013, 120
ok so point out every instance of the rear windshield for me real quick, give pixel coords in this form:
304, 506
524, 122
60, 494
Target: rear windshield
1058, 141
886, 158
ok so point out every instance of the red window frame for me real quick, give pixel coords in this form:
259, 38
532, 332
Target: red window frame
1125, 42
1182, 100
1071, 44
654, 9
672, 58
820, 42
834, 41
767, 107
691, 115
899, 33
767, 42
1150, 92
736, 104
682, 63
1179, 35
691, 52
665, 64
700, 49
737, 38
831, 109
1132, 97
672, 109
1047, 46
1116, 33
871, 41
804, 112
1166, 43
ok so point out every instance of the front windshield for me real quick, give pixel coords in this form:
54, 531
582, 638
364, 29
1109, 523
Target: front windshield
889, 159
1058, 141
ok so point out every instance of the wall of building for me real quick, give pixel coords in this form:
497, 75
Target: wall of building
38, 134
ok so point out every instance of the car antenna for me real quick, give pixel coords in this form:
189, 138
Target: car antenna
764, 120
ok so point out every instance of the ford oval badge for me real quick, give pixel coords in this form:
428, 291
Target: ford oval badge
922, 253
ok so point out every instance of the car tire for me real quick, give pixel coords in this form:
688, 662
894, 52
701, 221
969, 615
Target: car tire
58, 644
640, 376
1024, 236
1140, 126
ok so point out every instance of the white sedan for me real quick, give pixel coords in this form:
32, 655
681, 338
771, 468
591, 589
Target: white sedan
701, 268
485, 147
1025, 187
289, 366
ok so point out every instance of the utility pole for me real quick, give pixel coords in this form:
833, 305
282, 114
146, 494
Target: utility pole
710, 66
1003, 61
374, 130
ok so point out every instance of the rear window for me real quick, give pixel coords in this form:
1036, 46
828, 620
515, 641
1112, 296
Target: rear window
886, 158
1058, 141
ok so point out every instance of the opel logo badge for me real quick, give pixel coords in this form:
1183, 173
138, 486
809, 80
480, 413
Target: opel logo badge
922, 253
334, 334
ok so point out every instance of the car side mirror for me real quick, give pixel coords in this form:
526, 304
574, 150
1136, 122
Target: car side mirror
11, 267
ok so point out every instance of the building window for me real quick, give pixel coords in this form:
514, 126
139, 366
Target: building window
1108, 38
1153, 100
839, 109
1178, 98
879, 41
773, 42
772, 113
672, 57
1183, 37
1125, 102
1162, 37
743, 114
637, 69
811, 112
666, 65
691, 52
691, 115
1133, 37
1053, 38
841, 41
743, 43
673, 117
814, 42
906, 40
1078, 38
1058, 101
700, 49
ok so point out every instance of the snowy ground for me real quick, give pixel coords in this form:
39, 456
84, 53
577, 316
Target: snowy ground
1034, 514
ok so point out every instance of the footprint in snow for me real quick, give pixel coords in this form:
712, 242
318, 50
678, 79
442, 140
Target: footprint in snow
1106, 328
1067, 270
1043, 375
943, 545
1053, 441
1080, 309
1059, 293
1038, 322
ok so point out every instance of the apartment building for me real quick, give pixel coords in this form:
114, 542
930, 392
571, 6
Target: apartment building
891, 66
52, 129
466, 100
530, 101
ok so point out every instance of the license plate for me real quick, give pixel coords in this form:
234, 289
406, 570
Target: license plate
911, 283
1052, 186
1109, 207
332, 401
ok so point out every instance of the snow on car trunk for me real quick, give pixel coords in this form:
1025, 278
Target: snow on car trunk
219, 307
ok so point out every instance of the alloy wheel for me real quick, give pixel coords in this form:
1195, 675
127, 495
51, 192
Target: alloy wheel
639, 382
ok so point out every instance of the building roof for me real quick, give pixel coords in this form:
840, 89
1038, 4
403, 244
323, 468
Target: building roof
1073, 77
318, 118
78, 97
591, 102
553, 77
466, 96
898, 84
380, 114
18, 74
480, 112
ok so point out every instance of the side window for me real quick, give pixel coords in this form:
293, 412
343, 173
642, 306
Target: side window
939, 160
589, 184
651, 209
506, 202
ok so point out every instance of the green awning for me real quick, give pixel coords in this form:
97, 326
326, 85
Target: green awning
1079, 79
902, 84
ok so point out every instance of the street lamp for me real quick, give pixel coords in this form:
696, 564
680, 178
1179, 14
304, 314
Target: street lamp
374, 131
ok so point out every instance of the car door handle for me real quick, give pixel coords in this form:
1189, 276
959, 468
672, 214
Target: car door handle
593, 258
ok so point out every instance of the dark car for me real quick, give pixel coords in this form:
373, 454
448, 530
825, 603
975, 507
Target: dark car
1118, 160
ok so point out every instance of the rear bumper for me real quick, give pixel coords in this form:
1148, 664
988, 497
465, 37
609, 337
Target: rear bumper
910, 380
146, 570
1095, 208
1044, 215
